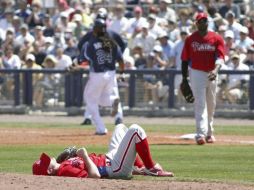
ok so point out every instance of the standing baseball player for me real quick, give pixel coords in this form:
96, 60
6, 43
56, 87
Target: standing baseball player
102, 53
118, 162
122, 45
203, 52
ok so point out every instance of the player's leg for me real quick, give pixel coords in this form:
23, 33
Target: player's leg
93, 91
110, 96
119, 110
116, 138
134, 141
198, 81
211, 104
125, 156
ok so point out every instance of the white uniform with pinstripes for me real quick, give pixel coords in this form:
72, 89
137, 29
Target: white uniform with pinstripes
122, 149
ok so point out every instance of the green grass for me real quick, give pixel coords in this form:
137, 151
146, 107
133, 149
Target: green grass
231, 163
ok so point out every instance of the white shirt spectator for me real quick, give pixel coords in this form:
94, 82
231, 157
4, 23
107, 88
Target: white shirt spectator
146, 39
235, 79
12, 62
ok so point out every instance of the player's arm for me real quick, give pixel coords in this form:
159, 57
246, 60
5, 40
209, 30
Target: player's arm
92, 169
185, 56
184, 69
219, 59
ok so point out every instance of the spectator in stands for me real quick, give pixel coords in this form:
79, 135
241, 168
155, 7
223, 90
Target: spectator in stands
140, 59
25, 49
48, 29
23, 11
39, 37
49, 45
10, 61
173, 30
184, 19
145, 38
9, 38
80, 29
24, 35
251, 27
237, 84
119, 23
154, 28
166, 44
134, 26
165, 11
249, 60
71, 50
245, 41
63, 61
229, 6
36, 17
154, 87
6, 21
39, 53
233, 24
16, 22
229, 41
48, 82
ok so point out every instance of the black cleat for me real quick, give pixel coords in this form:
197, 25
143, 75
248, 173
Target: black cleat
87, 122
118, 121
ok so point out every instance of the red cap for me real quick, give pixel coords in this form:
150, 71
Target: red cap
200, 16
40, 167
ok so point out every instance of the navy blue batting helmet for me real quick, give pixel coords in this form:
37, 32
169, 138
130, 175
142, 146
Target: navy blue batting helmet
99, 23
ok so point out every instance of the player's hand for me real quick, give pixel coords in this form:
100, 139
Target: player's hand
82, 153
212, 75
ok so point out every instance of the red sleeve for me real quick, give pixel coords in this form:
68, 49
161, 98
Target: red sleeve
73, 168
69, 171
220, 48
185, 52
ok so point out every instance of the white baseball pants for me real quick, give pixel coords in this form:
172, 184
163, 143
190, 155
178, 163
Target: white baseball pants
99, 91
204, 92
122, 149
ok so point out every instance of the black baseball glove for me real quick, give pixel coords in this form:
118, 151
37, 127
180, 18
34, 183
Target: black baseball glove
186, 91
69, 152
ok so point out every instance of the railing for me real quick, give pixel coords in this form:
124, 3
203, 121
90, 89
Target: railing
73, 84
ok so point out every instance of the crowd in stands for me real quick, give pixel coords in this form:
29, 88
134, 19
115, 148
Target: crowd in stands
44, 34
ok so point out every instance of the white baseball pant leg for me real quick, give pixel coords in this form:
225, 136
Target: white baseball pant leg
120, 110
204, 92
125, 155
99, 89
116, 138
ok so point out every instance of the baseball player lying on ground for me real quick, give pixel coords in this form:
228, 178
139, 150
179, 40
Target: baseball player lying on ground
120, 161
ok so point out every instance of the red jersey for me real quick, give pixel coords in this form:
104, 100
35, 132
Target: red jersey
75, 167
202, 51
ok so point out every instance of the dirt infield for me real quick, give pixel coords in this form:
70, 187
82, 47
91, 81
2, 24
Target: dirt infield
54, 136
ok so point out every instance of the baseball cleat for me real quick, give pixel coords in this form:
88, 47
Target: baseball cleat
118, 121
100, 134
115, 107
87, 122
210, 139
200, 140
158, 171
138, 171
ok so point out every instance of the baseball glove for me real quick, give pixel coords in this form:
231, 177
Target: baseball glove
186, 91
69, 152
